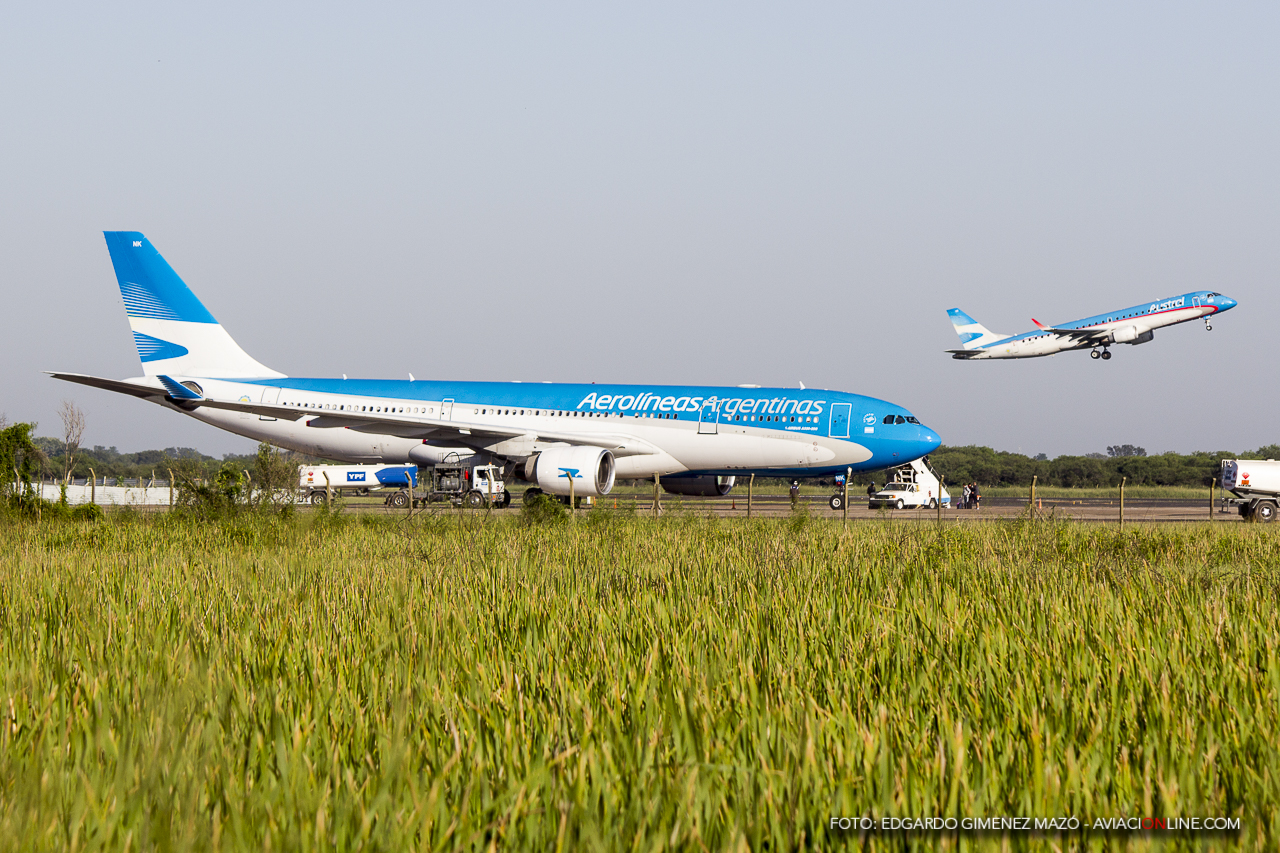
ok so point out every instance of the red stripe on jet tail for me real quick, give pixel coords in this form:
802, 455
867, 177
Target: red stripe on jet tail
1039, 325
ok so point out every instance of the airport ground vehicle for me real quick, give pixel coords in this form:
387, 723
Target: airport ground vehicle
352, 479
913, 485
1256, 486
461, 484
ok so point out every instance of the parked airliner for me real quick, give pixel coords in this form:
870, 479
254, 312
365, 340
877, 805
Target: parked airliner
697, 439
1134, 325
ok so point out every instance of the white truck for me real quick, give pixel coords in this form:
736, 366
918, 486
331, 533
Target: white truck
317, 481
1256, 486
914, 485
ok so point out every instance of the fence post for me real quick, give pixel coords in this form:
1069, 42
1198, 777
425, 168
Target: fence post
328, 490
751, 489
848, 475
573, 504
1122, 482
1211, 485
1032, 507
170, 488
93, 486
941, 480
656, 482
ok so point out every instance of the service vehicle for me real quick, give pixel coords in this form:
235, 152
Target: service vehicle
352, 479
911, 486
460, 484
1256, 486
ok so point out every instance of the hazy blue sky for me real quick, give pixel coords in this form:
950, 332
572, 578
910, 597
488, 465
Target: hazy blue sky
719, 193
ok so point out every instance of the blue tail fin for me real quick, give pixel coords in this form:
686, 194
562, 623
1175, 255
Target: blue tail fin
972, 333
173, 331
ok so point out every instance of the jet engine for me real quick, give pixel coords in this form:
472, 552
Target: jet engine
591, 468
1131, 335
706, 487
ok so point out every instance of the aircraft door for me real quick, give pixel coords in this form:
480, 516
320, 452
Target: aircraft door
840, 420
708, 420
446, 410
269, 397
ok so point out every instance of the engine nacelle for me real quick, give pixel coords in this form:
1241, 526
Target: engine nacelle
1131, 335
592, 469
706, 487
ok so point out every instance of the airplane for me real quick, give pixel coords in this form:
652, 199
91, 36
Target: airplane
1134, 326
695, 439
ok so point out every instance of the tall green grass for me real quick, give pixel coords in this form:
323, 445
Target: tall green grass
625, 683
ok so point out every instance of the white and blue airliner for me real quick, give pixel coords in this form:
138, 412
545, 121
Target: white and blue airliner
697, 439
1134, 325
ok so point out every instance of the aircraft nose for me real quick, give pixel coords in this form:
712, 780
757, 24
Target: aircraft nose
1228, 303
927, 440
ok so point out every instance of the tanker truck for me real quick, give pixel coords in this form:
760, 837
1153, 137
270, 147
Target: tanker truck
1256, 486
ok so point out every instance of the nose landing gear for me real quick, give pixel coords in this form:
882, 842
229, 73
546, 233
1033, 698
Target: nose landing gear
1208, 327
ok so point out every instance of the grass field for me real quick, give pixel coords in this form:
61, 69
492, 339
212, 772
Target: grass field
471, 682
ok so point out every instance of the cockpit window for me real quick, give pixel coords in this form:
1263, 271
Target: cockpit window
912, 420
888, 419
899, 420
1213, 294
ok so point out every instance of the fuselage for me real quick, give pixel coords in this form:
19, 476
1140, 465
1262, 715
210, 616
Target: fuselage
1133, 325
697, 430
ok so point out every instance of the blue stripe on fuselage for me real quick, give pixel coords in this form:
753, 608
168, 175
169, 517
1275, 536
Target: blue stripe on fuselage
886, 441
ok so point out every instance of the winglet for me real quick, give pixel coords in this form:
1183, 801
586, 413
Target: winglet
1039, 325
176, 390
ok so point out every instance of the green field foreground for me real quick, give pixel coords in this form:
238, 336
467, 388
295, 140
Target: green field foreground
465, 681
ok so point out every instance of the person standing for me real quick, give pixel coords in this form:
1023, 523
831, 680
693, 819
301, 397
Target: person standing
795, 493
974, 495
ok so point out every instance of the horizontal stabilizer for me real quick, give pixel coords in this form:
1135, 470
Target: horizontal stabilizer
135, 389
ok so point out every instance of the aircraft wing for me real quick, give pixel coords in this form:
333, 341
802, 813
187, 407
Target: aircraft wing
406, 426
416, 426
1079, 335
964, 353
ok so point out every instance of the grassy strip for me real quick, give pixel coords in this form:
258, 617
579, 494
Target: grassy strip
624, 683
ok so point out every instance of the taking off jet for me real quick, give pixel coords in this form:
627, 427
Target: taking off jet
1134, 325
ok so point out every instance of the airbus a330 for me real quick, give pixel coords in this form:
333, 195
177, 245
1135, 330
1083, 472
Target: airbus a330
696, 438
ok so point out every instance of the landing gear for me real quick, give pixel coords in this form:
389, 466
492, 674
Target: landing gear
1103, 354
1095, 354
531, 495
1106, 355
1208, 327
836, 501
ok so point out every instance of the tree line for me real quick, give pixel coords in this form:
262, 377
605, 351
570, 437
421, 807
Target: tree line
999, 468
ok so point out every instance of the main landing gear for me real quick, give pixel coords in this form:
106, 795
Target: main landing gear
1104, 354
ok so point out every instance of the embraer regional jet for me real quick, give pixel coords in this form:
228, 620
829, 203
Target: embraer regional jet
696, 438
1134, 325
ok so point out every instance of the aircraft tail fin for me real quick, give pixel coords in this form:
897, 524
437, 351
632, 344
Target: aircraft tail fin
973, 334
173, 331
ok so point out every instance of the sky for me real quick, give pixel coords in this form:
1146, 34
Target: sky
715, 193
